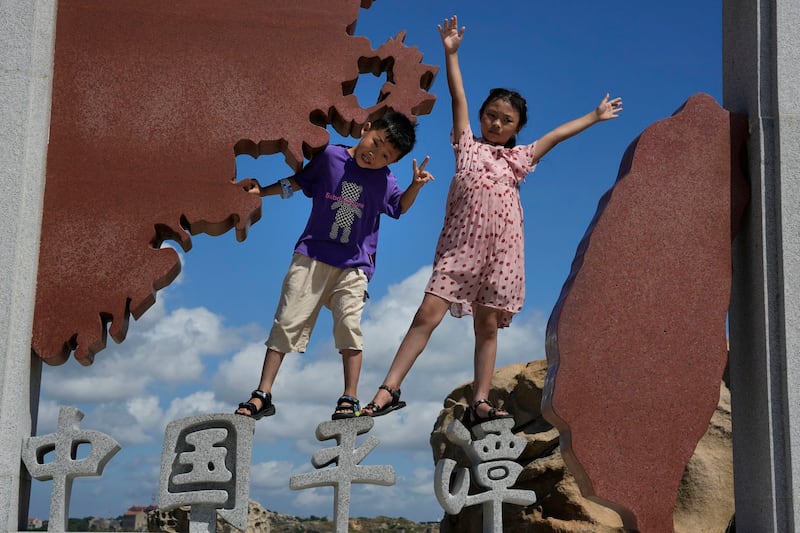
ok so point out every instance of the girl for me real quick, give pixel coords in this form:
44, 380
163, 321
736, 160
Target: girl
479, 264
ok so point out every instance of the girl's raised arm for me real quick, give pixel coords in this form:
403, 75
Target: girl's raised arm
451, 40
606, 110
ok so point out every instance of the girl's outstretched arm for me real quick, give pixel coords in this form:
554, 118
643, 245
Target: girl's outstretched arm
606, 110
451, 40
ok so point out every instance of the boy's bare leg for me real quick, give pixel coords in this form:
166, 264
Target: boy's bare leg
485, 326
351, 364
272, 363
428, 317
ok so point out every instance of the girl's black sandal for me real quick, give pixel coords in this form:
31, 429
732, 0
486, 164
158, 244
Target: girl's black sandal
394, 405
472, 419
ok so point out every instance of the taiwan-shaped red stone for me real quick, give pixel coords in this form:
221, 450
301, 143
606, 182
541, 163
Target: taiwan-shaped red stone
636, 345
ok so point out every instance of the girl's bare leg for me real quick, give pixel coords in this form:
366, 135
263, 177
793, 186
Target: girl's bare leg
485, 325
429, 315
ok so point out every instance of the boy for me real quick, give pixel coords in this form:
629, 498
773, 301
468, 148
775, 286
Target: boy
335, 256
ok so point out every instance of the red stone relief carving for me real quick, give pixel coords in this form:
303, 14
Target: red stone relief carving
636, 344
152, 100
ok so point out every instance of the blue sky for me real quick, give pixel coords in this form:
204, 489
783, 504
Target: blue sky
199, 348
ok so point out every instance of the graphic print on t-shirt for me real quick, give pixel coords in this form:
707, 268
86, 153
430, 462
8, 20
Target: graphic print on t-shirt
347, 209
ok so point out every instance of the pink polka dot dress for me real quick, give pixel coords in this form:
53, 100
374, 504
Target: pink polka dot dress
480, 256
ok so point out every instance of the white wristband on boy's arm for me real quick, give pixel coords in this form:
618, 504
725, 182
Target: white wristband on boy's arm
286, 188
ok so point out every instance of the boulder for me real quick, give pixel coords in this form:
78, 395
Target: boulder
705, 500
177, 520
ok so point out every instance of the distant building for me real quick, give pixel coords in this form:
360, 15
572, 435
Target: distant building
34, 523
135, 518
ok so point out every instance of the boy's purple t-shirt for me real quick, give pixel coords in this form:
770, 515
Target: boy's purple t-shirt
342, 229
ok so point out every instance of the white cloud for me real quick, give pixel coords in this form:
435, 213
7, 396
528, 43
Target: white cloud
315, 498
524, 340
115, 420
92, 387
312, 380
295, 421
304, 393
124, 391
408, 428
239, 374
271, 475
47, 418
167, 347
421, 481
399, 500
170, 367
200, 402
146, 411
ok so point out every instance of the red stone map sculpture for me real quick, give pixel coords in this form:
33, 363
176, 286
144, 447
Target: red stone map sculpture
636, 345
152, 100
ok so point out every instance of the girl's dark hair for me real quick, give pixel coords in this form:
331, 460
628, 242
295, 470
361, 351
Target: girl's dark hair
517, 102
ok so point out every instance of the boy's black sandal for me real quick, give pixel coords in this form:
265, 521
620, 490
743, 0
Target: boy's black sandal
472, 419
394, 405
346, 407
257, 413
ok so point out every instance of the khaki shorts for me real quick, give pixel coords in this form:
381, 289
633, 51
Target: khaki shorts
308, 286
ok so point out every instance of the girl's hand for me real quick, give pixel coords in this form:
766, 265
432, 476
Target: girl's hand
608, 109
451, 35
421, 176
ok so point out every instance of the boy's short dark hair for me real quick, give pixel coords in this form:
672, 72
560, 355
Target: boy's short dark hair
400, 131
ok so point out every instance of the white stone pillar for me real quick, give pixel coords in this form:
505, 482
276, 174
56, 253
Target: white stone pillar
27, 36
761, 78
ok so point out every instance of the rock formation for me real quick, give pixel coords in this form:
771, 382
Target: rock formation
705, 498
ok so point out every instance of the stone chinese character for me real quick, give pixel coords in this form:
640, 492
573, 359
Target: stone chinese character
65, 465
347, 470
494, 467
205, 463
